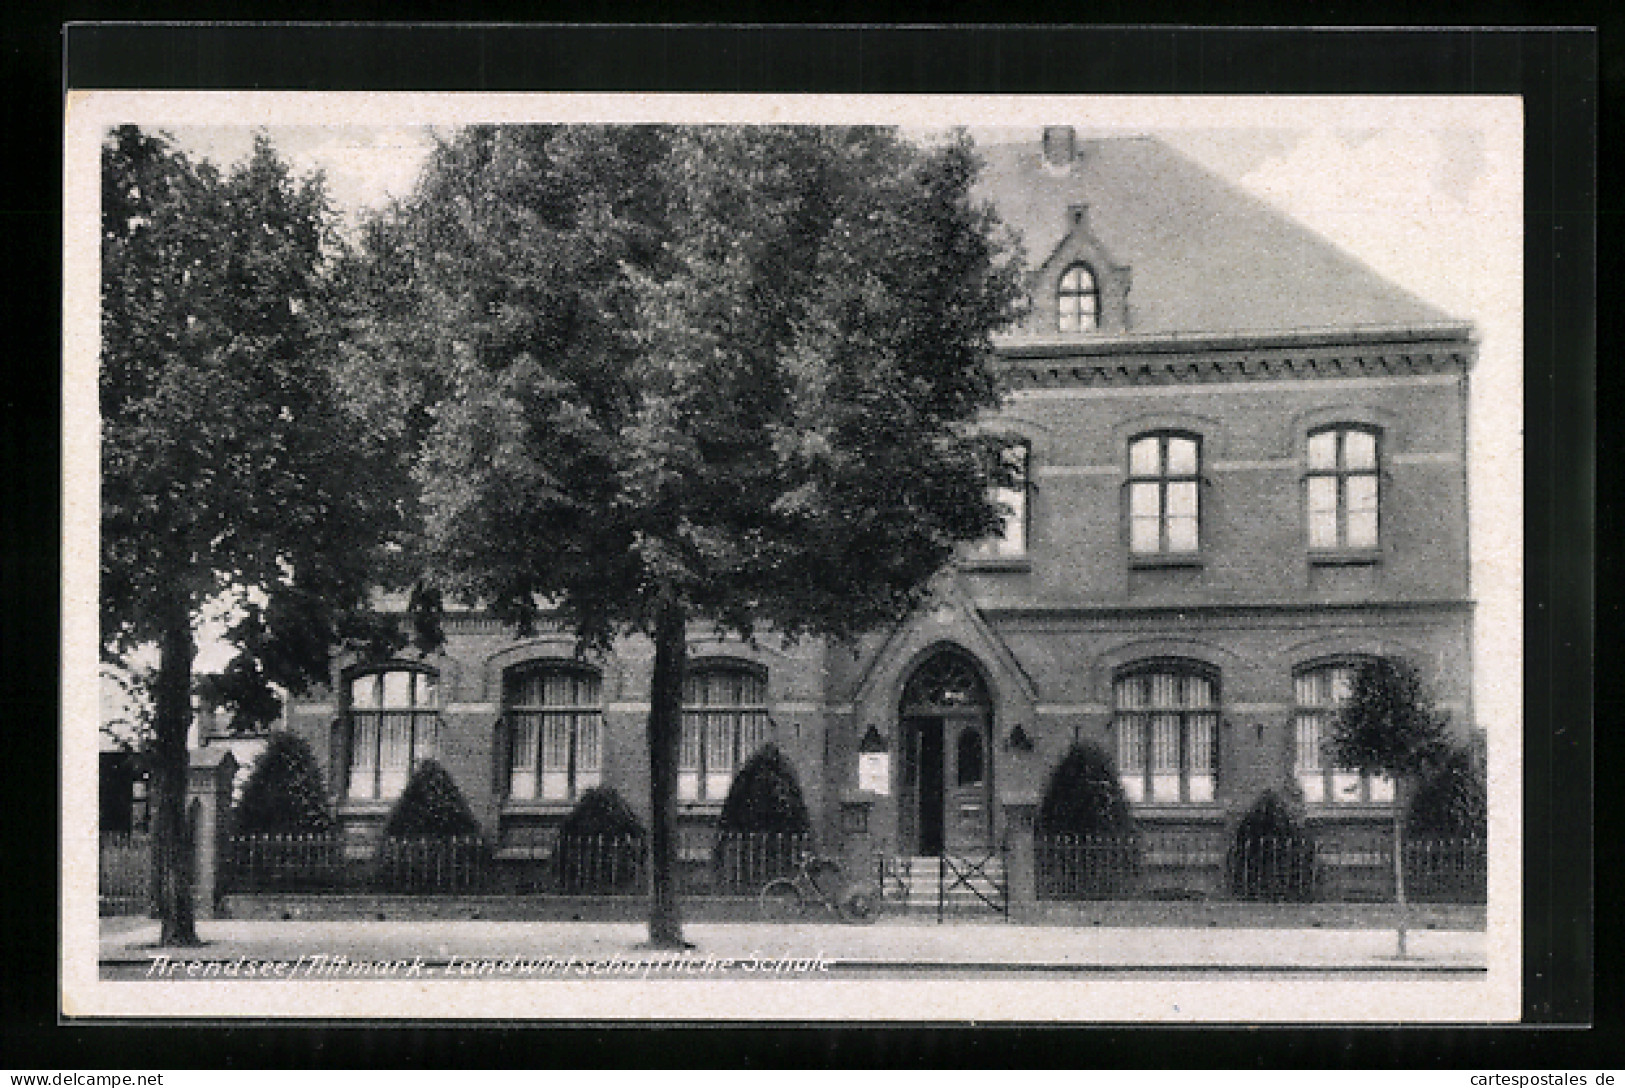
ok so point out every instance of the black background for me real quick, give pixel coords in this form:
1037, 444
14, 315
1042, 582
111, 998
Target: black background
1557, 73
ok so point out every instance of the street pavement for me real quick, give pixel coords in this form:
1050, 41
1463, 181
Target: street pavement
908, 946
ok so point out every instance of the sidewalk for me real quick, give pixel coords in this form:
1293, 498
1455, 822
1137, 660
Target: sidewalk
128, 946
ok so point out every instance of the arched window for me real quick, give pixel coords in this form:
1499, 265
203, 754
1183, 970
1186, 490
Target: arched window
970, 758
1077, 301
1320, 690
556, 718
394, 726
1342, 489
1167, 722
1164, 501
724, 722
946, 682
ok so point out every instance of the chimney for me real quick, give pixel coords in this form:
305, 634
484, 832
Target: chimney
1060, 146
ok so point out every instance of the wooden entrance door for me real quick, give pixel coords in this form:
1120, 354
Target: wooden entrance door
945, 724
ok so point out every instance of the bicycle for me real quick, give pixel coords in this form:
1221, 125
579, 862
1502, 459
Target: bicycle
818, 883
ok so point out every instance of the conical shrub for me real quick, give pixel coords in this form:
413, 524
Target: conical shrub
431, 806
1447, 832
600, 846
1084, 837
284, 794
764, 825
1271, 858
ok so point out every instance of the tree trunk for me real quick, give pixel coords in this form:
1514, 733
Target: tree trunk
171, 840
1399, 869
665, 735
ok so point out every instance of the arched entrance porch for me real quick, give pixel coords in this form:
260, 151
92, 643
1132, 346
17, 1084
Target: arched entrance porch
945, 733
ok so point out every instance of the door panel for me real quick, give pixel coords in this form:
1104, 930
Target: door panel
928, 732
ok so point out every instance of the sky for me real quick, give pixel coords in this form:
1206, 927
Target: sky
1428, 192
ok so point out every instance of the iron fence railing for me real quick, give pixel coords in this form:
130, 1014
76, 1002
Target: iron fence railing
1333, 868
743, 862
124, 872
263, 863
739, 864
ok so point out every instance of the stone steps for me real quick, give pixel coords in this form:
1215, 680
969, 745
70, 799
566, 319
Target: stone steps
968, 886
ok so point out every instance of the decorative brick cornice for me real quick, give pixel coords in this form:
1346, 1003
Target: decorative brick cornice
1129, 361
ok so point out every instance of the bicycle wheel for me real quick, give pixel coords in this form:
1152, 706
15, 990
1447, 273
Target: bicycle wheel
780, 900
861, 903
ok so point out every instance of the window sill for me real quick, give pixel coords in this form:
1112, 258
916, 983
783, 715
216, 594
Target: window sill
525, 806
1346, 557
1348, 810
1165, 562
364, 807
699, 808
1177, 810
994, 563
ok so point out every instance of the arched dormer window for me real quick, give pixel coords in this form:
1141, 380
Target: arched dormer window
1077, 300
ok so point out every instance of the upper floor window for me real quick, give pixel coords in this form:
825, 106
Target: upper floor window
1342, 487
724, 722
1166, 719
557, 722
1077, 301
394, 726
1320, 691
1011, 541
1163, 494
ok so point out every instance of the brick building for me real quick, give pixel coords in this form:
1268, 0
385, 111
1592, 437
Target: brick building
1245, 471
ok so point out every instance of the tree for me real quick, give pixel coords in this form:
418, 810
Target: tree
284, 794
431, 806
600, 844
228, 464
763, 800
1387, 727
722, 375
1271, 857
1084, 829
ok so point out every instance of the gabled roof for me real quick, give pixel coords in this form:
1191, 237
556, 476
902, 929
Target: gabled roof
1204, 256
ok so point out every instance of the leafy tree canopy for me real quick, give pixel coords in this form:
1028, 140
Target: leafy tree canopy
765, 797
1084, 796
284, 793
431, 805
230, 463
731, 366
1386, 725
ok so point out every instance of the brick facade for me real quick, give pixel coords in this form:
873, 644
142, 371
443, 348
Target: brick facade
1049, 632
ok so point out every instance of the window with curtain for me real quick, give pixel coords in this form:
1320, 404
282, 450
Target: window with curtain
1164, 501
394, 726
1343, 489
724, 722
1320, 690
1166, 722
556, 720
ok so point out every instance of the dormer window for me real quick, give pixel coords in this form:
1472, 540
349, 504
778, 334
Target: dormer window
1077, 302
